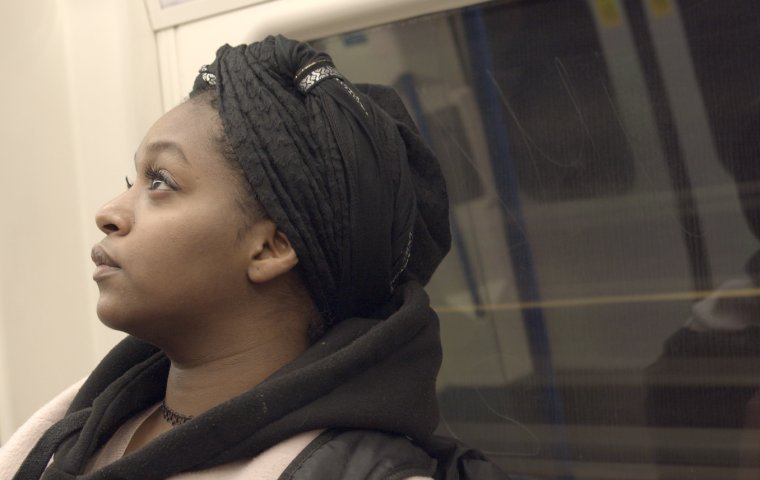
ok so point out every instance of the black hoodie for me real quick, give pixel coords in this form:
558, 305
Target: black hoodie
364, 373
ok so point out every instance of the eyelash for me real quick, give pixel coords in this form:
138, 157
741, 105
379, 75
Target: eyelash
153, 174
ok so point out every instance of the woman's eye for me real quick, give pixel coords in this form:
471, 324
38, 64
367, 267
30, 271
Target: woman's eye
129, 184
159, 184
159, 180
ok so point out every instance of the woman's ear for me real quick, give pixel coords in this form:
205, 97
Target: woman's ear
272, 254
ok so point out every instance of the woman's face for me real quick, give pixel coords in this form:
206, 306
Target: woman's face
172, 254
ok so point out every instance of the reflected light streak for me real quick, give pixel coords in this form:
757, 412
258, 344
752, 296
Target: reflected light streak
602, 300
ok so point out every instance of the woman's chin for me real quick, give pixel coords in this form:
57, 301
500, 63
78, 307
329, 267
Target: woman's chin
117, 317
113, 320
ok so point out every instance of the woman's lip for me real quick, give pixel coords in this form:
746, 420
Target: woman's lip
104, 264
100, 257
102, 271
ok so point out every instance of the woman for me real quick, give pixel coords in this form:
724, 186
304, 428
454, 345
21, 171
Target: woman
267, 262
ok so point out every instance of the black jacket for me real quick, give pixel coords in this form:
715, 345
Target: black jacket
373, 455
365, 374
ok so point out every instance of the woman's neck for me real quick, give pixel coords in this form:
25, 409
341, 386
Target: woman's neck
217, 369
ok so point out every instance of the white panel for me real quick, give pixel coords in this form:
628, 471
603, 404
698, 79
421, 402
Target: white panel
169, 13
299, 11
90, 90
197, 42
166, 44
171, 3
47, 341
6, 411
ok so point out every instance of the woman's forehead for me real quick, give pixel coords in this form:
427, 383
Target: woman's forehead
187, 128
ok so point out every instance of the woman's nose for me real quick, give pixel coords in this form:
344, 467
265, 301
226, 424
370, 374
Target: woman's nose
115, 217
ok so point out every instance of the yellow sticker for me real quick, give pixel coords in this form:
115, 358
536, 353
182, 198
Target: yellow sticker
609, 12
660, 8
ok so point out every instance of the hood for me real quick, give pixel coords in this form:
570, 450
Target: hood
371, 373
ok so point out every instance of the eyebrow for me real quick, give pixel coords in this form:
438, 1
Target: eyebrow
166, 145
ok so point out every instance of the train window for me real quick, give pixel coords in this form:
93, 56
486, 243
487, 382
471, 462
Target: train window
599, 310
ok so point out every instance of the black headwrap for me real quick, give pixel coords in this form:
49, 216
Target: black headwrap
340, 170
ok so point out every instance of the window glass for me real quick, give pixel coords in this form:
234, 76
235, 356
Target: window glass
599, 309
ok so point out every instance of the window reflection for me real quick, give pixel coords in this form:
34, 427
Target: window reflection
599, 311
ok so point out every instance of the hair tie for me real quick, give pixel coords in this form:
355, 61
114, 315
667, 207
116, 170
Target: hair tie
312, 74
207, 77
